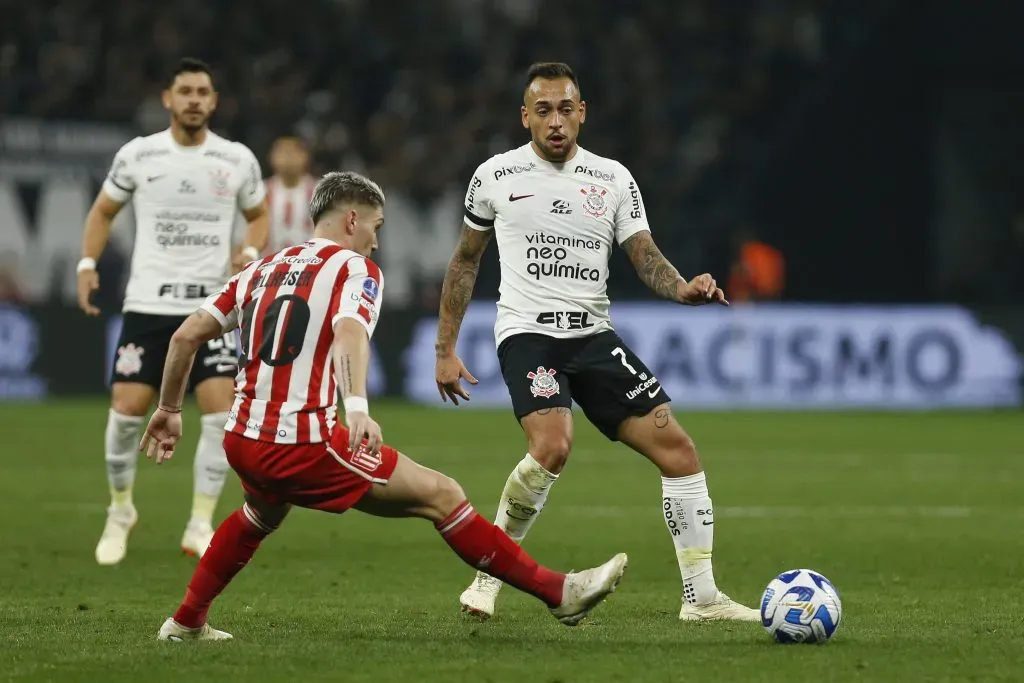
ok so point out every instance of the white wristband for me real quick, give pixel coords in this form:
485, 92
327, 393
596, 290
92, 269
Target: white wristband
251, 253
87, 263
357, 404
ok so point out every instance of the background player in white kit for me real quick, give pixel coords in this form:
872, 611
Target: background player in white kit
556, 209
186, 185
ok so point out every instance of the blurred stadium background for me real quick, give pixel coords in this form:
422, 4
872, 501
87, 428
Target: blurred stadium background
850, 169
802, 151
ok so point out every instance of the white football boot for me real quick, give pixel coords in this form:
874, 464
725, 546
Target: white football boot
478, 600
113, 544
584, 590
175, 632
197, 538
722, 608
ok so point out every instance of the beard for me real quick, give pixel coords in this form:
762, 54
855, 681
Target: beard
190, 122
552, 153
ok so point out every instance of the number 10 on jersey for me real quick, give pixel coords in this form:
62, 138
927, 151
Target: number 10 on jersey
282, 331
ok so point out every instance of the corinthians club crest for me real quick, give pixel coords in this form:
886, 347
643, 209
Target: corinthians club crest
543, 384
594, 203
220, 183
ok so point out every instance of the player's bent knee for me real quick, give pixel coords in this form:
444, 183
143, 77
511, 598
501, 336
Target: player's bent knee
447, 496
676, 453
549, 439
131, 399
263, 515
663, 441
551, 451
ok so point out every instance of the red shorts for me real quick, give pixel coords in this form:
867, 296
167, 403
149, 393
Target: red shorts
321, 476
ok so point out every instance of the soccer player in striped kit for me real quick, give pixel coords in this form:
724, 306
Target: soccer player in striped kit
288, 193
306, 316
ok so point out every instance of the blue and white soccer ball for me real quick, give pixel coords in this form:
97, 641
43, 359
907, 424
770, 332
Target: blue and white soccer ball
801, 606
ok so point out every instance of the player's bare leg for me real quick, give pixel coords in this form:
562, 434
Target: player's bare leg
234, 543
549, 438
129, 404
416, 491
210, 467
688, 512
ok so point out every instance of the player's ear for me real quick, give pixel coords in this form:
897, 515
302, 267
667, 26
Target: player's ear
351, 218
214, 97
583, 111
526, 116
165, 98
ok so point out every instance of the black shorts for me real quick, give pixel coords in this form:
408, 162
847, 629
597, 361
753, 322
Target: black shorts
142, 348
599, 372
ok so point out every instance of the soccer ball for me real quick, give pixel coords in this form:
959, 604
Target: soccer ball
801, 606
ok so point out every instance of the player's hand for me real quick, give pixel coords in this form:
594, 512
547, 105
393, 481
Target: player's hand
448, 372
703, 290
362, 426
88, 282
162, 435
238, 262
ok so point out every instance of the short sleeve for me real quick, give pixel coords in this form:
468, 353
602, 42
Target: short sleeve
252, 190
224, 304
121, 180
359, 290
630, 215
479, 205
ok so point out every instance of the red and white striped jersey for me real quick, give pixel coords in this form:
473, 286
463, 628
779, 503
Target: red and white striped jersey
287, 306
288, 207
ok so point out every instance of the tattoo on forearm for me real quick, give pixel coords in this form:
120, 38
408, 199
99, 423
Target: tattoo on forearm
457, 291
651, 265
346, 375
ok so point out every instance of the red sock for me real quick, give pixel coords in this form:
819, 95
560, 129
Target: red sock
233, 545
486, 547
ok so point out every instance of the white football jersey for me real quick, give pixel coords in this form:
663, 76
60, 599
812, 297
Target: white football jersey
186, 200
555, 225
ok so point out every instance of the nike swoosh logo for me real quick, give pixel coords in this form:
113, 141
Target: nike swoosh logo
151, 178
652, 394
707, 523
226, 367
513, 198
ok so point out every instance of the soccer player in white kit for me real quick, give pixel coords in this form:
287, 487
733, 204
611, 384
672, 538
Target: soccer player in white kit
186, 185
556, 210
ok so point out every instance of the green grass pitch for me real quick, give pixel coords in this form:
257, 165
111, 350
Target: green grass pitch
918, 519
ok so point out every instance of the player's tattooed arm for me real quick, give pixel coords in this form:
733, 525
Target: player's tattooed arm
345, 373
459, 280
351, 354
660, 276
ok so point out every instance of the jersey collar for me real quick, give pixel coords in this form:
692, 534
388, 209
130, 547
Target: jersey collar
192, 149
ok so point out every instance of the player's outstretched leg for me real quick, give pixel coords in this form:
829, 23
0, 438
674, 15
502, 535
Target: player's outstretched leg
233, 545
416, 491
129, 403
549, 433
688, 513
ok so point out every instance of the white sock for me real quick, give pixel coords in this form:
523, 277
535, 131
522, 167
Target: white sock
690, 519
523, 498
210, 468
121, 442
